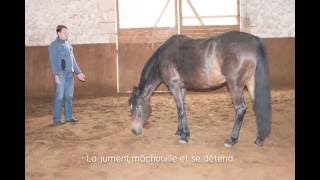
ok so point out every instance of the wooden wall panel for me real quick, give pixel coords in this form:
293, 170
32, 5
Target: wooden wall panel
207, 31
98, 62
145, 35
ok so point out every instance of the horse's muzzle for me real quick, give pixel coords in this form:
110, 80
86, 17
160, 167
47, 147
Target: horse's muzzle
137, 131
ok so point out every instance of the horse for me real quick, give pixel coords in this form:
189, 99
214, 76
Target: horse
234, 59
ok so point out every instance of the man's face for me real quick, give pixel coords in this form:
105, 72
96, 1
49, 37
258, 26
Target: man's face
63, 34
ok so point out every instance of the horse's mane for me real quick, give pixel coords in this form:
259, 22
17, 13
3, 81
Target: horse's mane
151, 66
148, 68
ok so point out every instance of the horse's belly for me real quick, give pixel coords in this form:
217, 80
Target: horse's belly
216, 78
206, 78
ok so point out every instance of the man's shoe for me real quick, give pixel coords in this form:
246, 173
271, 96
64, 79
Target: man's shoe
57, 124
73, 120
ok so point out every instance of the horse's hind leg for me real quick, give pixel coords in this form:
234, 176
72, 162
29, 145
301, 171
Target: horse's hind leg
240, 110
250, 87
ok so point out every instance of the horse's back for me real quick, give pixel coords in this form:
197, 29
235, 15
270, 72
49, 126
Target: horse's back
188, 59
237, 36
206, 63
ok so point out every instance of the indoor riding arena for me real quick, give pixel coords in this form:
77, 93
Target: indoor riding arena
112, 40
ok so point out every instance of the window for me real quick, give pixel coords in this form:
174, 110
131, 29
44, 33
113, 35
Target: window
146, 13
209, 12
156, 20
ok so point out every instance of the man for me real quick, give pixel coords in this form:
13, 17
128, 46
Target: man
63, 65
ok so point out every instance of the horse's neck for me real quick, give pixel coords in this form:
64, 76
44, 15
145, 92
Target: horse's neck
149, 88
150, 78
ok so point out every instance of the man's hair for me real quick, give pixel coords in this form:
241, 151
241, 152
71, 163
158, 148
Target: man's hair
60, 27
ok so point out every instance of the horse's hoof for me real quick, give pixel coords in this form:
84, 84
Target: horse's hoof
230, 142
184, 138
259, 142
227, 145
182, 141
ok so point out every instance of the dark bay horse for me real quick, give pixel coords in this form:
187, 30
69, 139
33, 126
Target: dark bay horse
235, 59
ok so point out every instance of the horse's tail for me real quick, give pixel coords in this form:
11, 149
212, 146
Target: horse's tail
262, 97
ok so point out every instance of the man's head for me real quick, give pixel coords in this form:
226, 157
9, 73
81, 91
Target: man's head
62, 32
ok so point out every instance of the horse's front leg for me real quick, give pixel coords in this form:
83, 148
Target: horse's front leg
179, 129
183, 129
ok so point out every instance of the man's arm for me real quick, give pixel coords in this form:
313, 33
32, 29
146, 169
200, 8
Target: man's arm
53, 58
77, 70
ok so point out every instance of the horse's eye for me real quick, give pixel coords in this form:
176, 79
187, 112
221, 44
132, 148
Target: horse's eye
137, 107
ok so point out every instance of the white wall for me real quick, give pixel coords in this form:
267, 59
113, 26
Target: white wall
93, 21
89, 21
268, 18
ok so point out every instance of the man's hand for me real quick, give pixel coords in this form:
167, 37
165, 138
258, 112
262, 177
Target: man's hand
57, 79
81, 77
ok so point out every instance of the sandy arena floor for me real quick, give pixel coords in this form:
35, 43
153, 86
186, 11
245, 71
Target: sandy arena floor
101, 145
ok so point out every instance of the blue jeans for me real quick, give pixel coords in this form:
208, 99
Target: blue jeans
63, 93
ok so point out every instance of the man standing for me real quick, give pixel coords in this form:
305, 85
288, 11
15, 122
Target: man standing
63, 65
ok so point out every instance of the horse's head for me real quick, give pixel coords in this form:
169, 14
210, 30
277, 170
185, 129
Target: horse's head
140, 109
